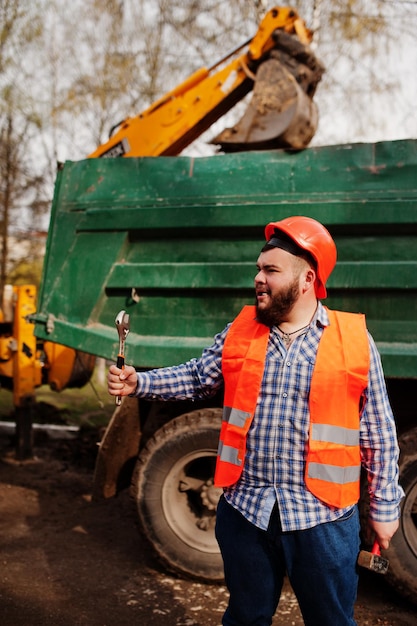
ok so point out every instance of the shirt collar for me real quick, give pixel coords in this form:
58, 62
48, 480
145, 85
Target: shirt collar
321, 316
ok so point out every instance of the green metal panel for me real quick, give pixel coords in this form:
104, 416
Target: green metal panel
174, 241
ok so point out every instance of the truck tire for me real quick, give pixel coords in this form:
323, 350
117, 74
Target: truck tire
402, 553
175, 496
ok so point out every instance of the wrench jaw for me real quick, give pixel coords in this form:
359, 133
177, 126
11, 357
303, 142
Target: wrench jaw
123, 327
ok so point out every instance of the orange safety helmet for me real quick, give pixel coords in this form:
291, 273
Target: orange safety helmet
313, 237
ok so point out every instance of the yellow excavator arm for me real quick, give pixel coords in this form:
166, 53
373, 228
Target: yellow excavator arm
277, 61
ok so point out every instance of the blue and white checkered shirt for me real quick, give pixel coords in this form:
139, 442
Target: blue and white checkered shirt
276, 443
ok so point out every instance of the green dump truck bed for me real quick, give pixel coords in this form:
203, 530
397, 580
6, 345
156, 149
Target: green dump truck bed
174, 242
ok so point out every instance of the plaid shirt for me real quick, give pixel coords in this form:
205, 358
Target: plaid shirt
276, 442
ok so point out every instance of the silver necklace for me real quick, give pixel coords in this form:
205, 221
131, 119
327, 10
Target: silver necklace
286, 337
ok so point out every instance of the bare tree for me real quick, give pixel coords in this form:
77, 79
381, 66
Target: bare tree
127, 54
20, 182
369, 50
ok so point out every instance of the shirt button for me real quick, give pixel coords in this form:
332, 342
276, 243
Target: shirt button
288, 363
285, 395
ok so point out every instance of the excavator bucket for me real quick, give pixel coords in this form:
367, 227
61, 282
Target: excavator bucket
281, 113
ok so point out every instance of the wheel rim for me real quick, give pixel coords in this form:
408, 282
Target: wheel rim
189, 500
409, 519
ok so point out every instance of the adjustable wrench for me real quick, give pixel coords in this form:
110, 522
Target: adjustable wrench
123, 327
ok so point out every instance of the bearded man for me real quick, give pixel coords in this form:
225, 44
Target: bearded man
305, 408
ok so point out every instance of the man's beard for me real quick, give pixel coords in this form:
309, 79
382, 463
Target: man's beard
281, 305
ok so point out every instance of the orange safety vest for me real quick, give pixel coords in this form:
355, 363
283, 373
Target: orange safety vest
339, 379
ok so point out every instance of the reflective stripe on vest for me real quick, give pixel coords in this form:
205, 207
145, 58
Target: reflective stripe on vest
243, 363
333, 460
333, 463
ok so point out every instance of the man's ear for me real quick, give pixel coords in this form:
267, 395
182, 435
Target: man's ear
309, 279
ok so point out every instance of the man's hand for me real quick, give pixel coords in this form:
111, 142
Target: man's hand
121, 382
383, 531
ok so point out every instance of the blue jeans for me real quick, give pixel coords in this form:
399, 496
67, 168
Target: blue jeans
320, 563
